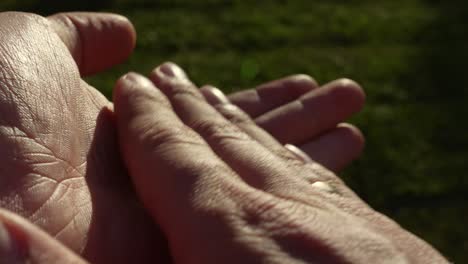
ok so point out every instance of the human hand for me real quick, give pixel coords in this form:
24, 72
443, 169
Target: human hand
21, 241
61, 163
223, 190
296, 111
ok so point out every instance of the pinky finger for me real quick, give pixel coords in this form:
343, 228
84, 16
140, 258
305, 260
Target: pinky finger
22, 242
337, 148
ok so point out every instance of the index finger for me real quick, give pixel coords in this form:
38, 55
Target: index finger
172, 166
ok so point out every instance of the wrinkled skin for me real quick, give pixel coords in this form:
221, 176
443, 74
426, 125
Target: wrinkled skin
60, 165
248, 199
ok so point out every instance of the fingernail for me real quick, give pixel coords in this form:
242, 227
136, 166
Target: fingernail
133, 77
10, 251
171, 70
299, 153
215, 96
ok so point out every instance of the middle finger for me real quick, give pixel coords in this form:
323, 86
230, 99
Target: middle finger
227, 140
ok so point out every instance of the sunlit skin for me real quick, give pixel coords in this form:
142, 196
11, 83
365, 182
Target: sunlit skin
248, 199
60, 162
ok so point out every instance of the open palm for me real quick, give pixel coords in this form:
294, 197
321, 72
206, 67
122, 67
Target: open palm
60, 165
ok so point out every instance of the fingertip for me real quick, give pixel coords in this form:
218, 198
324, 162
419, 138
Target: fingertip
345, 93
125, 29
97, 41
167, 71
129, 89
23, 242
355, 138
119, 25
13, 243
304, 82
123, 83
134, 80
353, 92
337, 148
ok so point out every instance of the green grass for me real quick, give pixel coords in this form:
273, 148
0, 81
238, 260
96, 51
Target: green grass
409, 56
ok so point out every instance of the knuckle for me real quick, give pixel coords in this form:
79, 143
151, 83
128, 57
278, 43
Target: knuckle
208, 172
184, 89
371, 245
213, 189
234, 114
324, 173
288, 157
155, 140
219, 130
273, 214
176, 88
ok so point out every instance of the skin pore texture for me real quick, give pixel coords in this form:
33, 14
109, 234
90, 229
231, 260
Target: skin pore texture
60, 161
60, 165
249, 199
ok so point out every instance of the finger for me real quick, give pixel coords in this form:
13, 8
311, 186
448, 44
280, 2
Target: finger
235, 115
313, 113
170, 164
268, 96
189, 200
22, 242
254, 163
337, 148
97, 41
333, 150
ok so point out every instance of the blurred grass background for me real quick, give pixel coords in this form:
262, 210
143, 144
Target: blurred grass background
409, 55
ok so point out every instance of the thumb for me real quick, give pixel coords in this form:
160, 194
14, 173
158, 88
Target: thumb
97, 41
22, 242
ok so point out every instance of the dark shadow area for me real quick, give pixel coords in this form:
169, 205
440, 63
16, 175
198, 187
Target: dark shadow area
437, 83
120, 228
